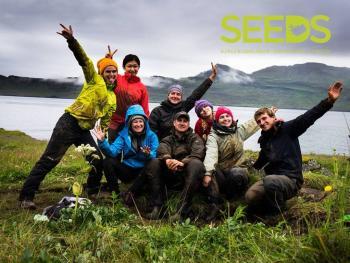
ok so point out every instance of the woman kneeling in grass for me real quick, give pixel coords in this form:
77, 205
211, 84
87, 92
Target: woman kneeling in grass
137, 144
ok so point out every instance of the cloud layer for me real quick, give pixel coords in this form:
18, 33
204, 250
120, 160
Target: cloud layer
173, 38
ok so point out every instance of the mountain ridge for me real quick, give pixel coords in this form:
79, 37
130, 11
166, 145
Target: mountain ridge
299, 86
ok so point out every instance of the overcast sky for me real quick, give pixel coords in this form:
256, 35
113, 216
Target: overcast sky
173, 38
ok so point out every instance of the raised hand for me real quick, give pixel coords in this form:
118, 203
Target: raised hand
214, 72
274, 109
146, 150
334, 91
97, 131
67, 33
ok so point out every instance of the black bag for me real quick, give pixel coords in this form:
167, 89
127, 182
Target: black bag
54, 211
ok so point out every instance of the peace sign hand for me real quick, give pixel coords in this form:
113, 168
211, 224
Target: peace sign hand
214, 72
67, 33
100, 135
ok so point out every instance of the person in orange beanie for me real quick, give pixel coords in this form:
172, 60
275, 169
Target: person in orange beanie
95, 102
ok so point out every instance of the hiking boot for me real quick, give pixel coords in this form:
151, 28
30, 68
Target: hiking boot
184, 212
154, 214
28, 204
175, 217
127, 198
93, 198
213, 212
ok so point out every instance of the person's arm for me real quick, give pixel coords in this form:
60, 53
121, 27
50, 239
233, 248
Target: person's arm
197, 149
212, 155
154, 146
247, 129
113, 149
300, 124
106, 118
197, 128
260, 162
164, 149
154, 120
144, 101
79, 53
200, 90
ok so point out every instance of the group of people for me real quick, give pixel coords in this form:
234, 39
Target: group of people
161, 151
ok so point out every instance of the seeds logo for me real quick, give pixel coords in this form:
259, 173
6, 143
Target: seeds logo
275, 29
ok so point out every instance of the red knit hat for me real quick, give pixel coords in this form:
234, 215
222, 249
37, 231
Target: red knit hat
221, 110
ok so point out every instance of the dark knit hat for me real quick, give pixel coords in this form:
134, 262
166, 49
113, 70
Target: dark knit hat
175, 87
221, 110
134, 117
200, 104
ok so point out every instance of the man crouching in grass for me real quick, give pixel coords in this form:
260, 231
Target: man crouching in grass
179, 166
280, 155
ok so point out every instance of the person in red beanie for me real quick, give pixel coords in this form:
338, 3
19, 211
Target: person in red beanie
226, 171
129, 91
95, 101
204, 111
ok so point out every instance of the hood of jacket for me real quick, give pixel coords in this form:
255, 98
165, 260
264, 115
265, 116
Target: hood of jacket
134, 110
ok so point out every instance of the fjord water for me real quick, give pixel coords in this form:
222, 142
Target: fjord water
38, 116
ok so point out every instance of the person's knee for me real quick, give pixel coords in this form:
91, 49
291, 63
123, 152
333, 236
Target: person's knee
239, 177
108, 163
272, 184
250, 197
153, 167
255, 193
195, 166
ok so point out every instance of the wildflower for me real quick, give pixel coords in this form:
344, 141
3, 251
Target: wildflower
77, 189
328, 188
95, 156
41, 218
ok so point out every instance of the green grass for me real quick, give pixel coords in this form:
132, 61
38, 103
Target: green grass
108, 232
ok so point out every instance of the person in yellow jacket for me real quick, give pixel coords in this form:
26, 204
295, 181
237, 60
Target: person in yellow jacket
95, 101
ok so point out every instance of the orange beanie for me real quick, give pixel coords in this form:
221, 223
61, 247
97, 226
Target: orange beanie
103, 63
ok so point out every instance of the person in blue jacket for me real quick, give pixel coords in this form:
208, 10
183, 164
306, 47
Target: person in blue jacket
137, 144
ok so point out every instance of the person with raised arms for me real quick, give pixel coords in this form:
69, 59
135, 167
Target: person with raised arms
95, 101
280, 155
161, 118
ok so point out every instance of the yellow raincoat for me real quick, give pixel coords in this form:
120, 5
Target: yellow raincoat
95, 100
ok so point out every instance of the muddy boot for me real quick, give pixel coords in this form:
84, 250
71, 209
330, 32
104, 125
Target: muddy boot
128, 198
182, 213
28, 204
212, 212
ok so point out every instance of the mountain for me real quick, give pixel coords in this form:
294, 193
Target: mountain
36, 87
300, 86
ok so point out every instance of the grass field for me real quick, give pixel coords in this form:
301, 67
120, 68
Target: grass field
312, 230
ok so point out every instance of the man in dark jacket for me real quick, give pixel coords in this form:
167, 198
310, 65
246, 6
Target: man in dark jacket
179, 166
280, 155
161, 118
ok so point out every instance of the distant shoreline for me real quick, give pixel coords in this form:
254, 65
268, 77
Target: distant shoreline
152, 101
